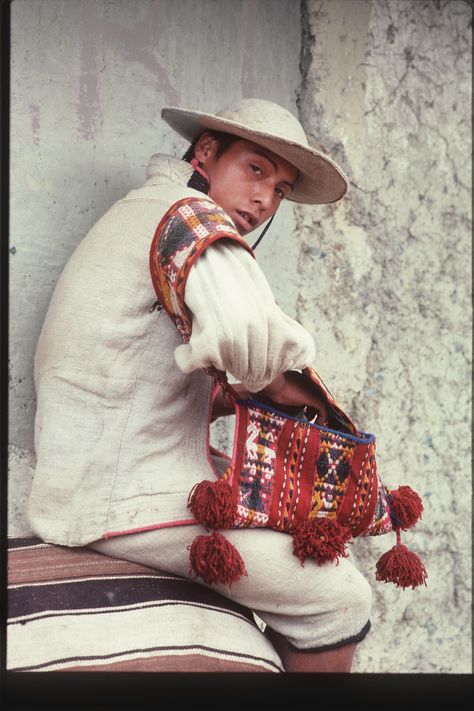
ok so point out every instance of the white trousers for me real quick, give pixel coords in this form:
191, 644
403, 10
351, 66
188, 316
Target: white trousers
314, 607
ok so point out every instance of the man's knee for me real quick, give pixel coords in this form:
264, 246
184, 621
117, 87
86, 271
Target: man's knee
357, 595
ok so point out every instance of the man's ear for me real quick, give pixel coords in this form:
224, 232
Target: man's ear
205, 148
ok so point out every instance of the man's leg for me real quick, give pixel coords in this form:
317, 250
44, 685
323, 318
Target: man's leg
316, 614
332, 660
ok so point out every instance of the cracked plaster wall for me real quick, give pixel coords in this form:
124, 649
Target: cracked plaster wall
385, 288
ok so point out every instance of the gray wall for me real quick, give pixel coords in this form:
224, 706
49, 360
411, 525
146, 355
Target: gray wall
382, 279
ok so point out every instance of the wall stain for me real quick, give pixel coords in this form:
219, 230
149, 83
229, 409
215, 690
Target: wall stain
138, 41
89, 112
248, 28
35, 123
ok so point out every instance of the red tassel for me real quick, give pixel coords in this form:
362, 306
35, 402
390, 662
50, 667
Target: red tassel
211, 504
401, 566
215, 560
323, 539
406, 506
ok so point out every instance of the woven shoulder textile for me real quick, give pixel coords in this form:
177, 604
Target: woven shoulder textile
186, 229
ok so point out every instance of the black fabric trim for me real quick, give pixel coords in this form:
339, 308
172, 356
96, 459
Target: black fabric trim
15, 543
197, 181
342, 643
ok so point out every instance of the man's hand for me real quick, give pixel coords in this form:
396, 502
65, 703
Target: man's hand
290, 389
294, 389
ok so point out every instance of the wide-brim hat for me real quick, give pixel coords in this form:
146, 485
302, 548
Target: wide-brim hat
269, 125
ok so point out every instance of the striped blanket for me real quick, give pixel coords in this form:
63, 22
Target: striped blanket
72, 609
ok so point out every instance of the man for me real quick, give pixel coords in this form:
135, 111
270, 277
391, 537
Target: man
124, 406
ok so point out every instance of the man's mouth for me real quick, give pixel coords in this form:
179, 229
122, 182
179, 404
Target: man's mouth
248, 219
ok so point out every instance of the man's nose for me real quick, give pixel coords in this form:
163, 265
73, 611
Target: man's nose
263, 194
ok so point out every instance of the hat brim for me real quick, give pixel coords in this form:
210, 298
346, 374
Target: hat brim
320, 179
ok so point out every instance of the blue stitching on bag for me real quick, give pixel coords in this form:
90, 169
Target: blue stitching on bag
367, 438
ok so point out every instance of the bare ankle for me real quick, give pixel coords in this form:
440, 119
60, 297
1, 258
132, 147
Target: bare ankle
334, 660
337, 660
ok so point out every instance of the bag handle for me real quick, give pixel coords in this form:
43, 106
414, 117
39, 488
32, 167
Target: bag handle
221, 377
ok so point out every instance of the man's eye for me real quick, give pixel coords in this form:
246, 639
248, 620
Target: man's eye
280, 193
256, 169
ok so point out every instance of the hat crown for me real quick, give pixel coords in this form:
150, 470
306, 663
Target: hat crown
265, 117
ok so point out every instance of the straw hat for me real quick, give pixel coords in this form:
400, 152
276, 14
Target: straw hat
273, 127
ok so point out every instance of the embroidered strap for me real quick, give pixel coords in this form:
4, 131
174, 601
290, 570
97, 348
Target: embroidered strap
186, 229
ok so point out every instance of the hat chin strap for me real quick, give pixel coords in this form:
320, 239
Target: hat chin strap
261, 236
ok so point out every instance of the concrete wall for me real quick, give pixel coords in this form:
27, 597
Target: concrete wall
386, 289
380, 279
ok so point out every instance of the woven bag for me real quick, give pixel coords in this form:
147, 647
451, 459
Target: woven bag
318, 484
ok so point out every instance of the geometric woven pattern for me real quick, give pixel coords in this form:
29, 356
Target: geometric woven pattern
286, 470
256, 479
187, 228
334, 466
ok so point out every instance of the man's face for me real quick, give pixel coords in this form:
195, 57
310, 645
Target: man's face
248, 181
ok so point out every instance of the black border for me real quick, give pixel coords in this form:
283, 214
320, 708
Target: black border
94, 690
4, 283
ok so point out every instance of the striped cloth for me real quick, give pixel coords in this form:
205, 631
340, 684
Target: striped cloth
73, 609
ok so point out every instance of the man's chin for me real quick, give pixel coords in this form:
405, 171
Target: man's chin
243, 227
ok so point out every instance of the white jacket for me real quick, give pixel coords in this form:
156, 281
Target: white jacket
121, 432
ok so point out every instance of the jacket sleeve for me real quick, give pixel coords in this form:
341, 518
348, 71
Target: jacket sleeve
206, 277
236, 324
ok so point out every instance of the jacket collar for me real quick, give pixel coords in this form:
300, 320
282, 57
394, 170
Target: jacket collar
168, 167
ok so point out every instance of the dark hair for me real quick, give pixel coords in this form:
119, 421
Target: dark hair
225, 140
